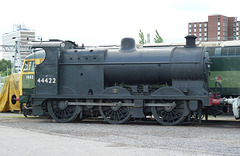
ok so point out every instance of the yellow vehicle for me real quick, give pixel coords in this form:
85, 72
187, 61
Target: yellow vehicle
26, 77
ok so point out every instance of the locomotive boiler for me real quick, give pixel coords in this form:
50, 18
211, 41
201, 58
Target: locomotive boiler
169, 83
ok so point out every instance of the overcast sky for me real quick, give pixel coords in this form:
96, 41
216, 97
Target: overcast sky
101, 22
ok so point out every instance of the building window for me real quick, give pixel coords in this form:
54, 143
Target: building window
205, 25
218, 28
200, 24
195, 25
218, 38
218, 33
205, 29
218, 23
205, 38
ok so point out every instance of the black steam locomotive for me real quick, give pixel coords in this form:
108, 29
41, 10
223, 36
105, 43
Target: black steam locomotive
170, 83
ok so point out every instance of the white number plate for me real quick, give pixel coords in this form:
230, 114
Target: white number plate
29, 77
47, 80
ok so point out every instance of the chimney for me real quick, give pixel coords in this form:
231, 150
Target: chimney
190, 41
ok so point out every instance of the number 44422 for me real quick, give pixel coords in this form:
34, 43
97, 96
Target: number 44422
46, 80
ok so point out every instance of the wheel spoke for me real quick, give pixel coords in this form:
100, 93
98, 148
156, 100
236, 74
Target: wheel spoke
175, 112
172, 117
124, 110
115, 116
167, 118
65, 114
121, 112
111, 115
118, 117
110, 111
56, 111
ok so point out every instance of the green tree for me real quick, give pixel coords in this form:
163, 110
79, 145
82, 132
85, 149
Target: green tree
158, 38
4, 65
141, 35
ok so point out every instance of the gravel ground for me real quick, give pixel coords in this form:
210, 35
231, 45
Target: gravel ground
216, 137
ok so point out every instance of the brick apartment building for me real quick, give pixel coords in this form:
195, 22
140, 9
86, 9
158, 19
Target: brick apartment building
217, 28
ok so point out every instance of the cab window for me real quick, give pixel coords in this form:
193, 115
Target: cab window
25, 67
29, 66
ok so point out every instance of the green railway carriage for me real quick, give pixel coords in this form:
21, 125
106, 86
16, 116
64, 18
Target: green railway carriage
225, 68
